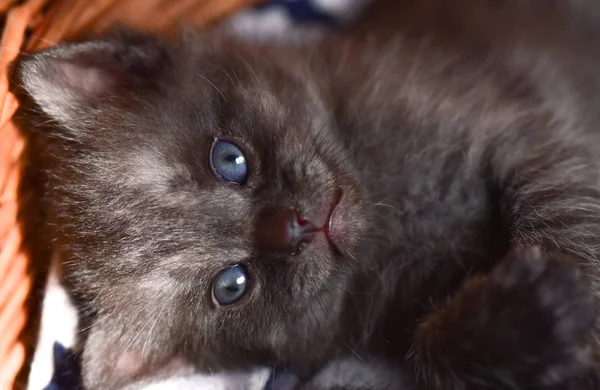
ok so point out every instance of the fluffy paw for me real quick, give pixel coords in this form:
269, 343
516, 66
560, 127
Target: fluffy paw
546, 297
525, 325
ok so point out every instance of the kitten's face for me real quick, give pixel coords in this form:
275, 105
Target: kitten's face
204, 203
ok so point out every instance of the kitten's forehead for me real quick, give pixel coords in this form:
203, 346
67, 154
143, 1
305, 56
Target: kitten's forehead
261, 79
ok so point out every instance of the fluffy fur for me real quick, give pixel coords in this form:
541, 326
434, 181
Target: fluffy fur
463, 140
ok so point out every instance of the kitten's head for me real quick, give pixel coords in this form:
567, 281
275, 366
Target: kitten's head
204, 204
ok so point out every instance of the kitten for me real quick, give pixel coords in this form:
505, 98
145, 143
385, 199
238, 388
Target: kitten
424, 193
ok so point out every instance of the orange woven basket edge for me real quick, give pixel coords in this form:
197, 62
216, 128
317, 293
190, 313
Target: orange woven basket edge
28, 26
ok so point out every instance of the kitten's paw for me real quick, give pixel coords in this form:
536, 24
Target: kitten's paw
527, 324
547, 296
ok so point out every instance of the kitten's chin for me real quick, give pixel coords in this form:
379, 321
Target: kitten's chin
335, 229
344, 224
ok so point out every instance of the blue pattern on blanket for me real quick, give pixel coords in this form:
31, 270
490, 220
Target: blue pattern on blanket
299, 12
66, 370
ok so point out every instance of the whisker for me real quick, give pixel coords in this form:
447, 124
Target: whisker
213, 84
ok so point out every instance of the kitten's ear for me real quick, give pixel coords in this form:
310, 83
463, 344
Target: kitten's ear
68, 79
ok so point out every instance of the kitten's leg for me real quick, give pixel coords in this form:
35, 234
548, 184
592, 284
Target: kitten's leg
526, 325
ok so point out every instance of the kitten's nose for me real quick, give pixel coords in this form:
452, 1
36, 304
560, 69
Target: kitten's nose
282, 230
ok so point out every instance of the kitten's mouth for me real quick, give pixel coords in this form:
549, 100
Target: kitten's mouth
333, 228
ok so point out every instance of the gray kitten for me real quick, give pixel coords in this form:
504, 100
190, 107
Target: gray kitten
421, 190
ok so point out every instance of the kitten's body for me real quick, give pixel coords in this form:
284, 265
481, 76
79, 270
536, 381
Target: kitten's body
448, 142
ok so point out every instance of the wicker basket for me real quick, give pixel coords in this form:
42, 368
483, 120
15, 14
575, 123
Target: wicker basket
33, 25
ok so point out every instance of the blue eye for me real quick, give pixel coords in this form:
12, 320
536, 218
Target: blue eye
230, 285
228, 162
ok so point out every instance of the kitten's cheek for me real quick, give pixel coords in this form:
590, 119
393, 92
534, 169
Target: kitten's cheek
128, 368
105, 363
103, 366
112, 362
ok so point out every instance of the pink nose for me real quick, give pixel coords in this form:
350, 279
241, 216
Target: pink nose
282, 230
